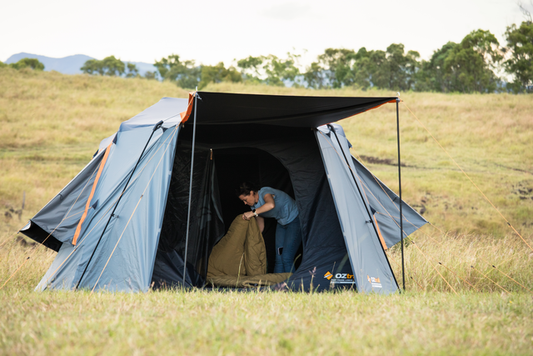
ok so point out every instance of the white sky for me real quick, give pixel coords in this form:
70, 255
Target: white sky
210, 31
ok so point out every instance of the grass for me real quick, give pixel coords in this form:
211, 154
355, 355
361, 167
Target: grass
477, 319
469, 277
198, 323
52, 125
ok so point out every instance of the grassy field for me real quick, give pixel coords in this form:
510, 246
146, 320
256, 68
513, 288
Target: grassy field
430, 319
469, 276
200, 323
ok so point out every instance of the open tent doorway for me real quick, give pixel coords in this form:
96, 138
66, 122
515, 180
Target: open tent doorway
237, 165
224, 158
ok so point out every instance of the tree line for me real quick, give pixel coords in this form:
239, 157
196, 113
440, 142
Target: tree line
112, 66
31, 63
470, 66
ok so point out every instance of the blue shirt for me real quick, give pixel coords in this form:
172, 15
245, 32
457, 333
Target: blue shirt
285, 210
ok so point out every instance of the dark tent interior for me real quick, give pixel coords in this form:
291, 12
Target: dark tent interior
226, 155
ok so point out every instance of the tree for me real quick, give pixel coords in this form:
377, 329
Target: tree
132, 70
270, 69
217, 74
333, 69
185, 73
32, 63
251, 68
93, 66
402, 67
469, 65
315, 76
278, 70
526, 12
520, 61
431, 76
110, 66
150, 75
338, 68
371, 69
464, 67
113, 66
337, 65
165, 64
363, 69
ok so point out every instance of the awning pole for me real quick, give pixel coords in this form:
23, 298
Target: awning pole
190, 188
400, 184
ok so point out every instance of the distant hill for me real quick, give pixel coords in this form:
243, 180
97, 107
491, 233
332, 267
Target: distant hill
71, 64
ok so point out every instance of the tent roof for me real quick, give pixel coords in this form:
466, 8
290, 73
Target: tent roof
280, 110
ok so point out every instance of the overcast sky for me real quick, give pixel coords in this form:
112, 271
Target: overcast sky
211, 31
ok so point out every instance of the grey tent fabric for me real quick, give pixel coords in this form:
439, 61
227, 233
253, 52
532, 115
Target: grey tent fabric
272, 139
384, 202
121, 264
371, 270
56, 222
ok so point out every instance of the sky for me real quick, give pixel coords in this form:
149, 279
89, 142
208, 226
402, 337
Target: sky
213, 31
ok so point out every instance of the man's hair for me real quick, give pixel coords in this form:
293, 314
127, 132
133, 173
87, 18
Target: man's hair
245, 188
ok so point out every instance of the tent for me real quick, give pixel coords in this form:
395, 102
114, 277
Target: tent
134, 219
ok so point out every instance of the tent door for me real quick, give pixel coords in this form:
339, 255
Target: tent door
207, 225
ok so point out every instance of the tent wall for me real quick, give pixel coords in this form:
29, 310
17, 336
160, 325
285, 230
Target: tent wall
386, 205
132, 235
57, 221
383, 202
372, 271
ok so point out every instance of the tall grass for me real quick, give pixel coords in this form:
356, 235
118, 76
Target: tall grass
464, 263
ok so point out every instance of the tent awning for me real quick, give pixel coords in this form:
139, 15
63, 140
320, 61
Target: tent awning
280, 110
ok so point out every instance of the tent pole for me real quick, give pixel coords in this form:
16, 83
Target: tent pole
190, 188
156, 127
400, 184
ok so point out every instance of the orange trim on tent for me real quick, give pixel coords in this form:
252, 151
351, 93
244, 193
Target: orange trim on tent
381, 239
377, 106
88, 204
186, 114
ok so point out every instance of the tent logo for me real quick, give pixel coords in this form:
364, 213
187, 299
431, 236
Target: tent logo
376, 283
339, 278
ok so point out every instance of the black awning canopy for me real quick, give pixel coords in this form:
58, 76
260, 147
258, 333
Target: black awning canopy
280, 110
